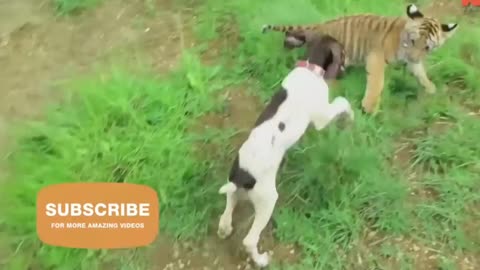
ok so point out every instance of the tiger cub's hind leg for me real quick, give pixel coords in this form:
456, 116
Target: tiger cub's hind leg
375, 68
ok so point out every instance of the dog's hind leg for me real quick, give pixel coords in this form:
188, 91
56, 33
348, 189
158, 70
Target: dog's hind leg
225, 227
264, 199
338, 108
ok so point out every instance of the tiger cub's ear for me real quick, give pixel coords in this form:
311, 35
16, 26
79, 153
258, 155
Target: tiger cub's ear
413, 12
449, 29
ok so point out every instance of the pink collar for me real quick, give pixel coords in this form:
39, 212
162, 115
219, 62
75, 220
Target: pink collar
316, 69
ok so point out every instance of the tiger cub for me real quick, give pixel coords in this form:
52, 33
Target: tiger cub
376, 41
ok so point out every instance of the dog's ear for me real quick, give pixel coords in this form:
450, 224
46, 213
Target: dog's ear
334, 70
336, 67
294, 39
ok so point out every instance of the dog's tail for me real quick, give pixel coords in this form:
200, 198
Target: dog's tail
229, 187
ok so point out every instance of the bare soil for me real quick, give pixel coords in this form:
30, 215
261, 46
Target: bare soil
38, 49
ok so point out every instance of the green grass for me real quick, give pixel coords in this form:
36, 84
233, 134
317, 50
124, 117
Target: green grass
69, 7
117, 127
133, 127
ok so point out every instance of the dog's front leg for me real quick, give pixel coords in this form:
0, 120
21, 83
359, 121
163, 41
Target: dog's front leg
264, 198
338, 108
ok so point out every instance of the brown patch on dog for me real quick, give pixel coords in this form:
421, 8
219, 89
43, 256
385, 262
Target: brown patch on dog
328, 53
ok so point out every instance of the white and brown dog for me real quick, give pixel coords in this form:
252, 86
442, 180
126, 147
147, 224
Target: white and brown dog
303, 99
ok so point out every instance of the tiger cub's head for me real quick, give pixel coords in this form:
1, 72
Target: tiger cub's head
423, 34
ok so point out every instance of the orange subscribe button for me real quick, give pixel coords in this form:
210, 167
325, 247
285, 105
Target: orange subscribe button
97, 215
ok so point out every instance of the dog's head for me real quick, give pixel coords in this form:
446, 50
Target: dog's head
328, 53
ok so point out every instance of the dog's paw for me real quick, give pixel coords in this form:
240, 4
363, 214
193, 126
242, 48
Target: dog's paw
431, 88
344, 120
351, 114
262, 260
224, 231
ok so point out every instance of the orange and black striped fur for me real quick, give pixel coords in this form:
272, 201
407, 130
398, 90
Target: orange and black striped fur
376, 41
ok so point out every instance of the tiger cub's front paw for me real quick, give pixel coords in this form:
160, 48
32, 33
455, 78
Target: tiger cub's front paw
369, 106
430, 88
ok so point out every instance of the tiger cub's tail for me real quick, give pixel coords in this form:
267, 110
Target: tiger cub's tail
286, 28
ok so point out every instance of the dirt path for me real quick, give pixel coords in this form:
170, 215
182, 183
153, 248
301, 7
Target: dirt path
38, 49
